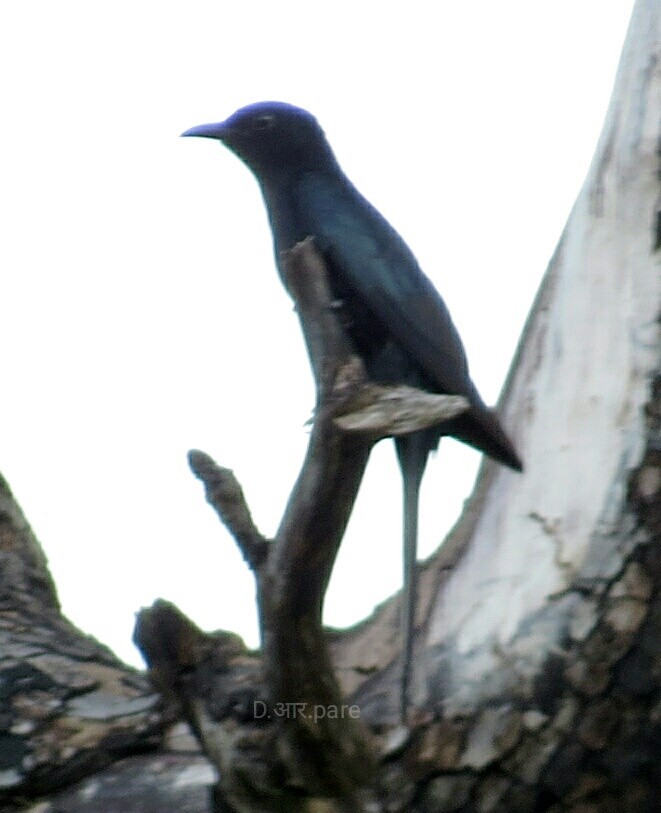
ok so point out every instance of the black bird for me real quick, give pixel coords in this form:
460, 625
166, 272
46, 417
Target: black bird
395, 318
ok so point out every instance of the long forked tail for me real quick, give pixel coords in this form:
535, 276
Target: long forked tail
412, 451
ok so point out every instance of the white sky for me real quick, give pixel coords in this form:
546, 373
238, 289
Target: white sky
141, 314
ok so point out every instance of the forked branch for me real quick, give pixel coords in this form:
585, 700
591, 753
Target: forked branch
319, 742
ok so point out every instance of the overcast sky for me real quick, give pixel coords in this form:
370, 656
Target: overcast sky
141, 311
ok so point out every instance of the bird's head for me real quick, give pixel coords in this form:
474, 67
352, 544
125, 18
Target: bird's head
271, 137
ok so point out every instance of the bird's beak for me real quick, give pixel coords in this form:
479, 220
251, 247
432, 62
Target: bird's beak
218, 131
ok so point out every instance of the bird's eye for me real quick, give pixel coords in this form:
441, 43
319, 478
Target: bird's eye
264, 122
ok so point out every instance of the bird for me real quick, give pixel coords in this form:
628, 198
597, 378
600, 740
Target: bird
394, 317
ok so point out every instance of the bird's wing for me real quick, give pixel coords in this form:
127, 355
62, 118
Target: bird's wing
380, 269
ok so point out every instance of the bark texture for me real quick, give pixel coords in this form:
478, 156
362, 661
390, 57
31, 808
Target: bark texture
68, 707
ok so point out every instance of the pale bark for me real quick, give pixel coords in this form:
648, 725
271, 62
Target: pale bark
546, 544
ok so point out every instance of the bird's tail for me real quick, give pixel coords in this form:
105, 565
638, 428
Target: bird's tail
412, 451
486, 433
480, 428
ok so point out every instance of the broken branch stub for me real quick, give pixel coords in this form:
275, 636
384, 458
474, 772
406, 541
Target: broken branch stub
398, 410
225, 495
306, 280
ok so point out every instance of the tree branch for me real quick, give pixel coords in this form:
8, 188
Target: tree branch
225, 495
311, 731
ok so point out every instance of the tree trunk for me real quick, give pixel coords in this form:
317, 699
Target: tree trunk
537, 681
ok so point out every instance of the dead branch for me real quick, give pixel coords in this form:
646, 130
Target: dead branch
311, 733
225, 495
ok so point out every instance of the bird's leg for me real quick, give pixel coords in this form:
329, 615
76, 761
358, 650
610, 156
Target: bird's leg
412, 451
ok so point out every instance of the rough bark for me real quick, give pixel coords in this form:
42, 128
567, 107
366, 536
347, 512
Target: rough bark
68, 707
538, 669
